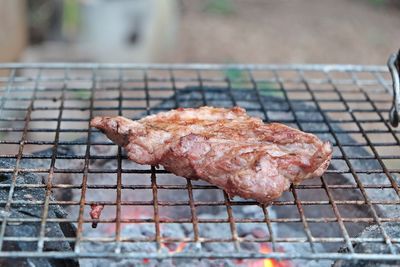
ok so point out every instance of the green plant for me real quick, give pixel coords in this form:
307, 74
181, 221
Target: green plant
224, 7
82, 94
235, 76
70, 16
377, 2
268, 89
239, 77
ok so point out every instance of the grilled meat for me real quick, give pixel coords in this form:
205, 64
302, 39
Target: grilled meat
95, 213
224, 147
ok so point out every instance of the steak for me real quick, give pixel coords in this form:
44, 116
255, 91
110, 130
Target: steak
224, 147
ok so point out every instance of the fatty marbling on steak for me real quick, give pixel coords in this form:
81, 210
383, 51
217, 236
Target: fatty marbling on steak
224, 147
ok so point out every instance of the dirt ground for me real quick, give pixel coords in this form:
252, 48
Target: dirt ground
288, 31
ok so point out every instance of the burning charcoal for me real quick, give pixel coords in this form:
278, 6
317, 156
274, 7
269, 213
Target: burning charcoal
133, 231
259, 233
136, 231
187, 228
218, 246
172, 230
189, 97
244, 229
147, 230
175, 247
32, 229
253, 211
139, 247
250, 246
393, 231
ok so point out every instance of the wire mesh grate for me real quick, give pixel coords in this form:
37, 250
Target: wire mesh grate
45, 111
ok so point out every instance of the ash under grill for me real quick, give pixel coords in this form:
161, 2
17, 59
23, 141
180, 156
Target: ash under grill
153, 217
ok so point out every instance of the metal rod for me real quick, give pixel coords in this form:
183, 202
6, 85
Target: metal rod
18, 160
82, 200
119, 174
394, 68
292, 67
300, 90
51, 171
355, 176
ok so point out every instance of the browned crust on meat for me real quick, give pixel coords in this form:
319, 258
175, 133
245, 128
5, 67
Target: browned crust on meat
225, 147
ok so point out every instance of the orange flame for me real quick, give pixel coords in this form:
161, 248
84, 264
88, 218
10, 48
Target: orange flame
178, 248
267, 262
265, 249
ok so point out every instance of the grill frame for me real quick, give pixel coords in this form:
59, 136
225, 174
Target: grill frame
380, 79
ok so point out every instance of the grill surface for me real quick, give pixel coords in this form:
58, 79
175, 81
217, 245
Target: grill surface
45, 106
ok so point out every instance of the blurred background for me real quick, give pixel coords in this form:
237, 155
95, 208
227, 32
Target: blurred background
215, 31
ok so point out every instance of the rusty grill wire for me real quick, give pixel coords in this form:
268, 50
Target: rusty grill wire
355, 98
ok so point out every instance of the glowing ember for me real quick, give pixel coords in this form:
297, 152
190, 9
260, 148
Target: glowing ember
267, 262
172, 249
180, 247
265, 249
95, 213
127, 213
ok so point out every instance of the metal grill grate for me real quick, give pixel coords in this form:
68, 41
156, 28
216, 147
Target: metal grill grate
45, 107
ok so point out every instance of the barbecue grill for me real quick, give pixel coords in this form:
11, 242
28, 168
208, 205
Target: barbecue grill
45, 110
